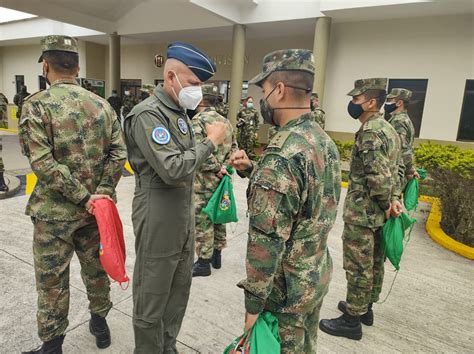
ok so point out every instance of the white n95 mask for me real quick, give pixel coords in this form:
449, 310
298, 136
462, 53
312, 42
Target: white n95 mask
190, 96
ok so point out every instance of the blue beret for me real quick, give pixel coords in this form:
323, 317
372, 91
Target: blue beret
199, 63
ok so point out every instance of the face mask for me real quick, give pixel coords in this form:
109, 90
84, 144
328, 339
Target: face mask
127, 93
189, 97
355, 110
250, 105
266, 110
390, 107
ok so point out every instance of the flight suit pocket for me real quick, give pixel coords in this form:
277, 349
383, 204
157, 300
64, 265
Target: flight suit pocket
158, 274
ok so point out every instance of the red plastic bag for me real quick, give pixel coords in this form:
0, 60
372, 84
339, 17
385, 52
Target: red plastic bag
112, 245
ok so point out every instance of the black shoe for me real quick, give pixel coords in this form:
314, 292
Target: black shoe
99, 328
367, 318
54, 346
3, 185
202, 268
345, 326
216, 259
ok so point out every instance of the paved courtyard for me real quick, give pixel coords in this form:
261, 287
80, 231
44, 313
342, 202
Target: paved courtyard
430, 309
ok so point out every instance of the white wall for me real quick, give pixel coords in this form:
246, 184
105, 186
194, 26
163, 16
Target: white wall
440, 49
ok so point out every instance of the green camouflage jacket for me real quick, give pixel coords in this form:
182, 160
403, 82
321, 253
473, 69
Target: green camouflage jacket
206, 180
249, 119
292, 199
374, 177
74, 143
406, 131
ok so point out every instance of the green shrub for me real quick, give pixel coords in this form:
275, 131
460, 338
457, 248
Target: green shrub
345, 149
451, 170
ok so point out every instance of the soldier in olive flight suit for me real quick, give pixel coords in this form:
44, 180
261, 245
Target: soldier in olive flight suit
165, 157
373, 195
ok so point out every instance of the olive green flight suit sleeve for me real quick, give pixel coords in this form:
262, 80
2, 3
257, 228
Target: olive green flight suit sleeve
377, 169
273, 207
211, 164
37, 147
115, 160
170, 163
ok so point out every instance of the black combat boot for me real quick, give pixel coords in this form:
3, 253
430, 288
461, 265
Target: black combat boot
345, 326
54, 346
100, 330
202, 268
367, 318
3, 185
216, 259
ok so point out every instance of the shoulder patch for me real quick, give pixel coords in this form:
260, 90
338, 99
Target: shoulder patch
279, 139
161, 135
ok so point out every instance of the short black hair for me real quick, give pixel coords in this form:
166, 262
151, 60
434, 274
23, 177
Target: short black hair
62, 62
378, 95
210, 100
295, 78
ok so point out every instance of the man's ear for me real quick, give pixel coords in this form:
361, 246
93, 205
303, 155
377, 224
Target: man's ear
280, 90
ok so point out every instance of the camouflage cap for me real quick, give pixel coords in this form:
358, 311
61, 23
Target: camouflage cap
58, 43
362, 85
209, 90
314, 95
147, 88
400, 93
285, 60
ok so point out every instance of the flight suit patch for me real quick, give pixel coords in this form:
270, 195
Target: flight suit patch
183, 126
161, 135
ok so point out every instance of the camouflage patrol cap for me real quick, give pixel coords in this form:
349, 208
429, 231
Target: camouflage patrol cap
210, 90
314, 95
400, 93
362, 85
58, 43
147, 88
285, 60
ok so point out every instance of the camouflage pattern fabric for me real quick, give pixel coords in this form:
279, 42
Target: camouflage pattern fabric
18, 100
210, 236
223, 109
292, 199
54, 244
248, 125
362, 85
74, 144
319, 117
58, 43
364, 265
128, 102
299, 333
374, 178
2, 166
400, 93
3, 124
285, 60
403, 125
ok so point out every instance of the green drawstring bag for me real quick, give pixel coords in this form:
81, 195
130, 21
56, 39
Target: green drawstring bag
393, 235
263, 338
221, 208
412, 190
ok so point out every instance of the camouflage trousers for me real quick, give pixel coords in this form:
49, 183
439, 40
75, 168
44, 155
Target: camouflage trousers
2, 166
364, 265
209, 236
299, 332
246, 141
54, 244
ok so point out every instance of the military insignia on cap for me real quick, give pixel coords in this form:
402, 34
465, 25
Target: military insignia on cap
161, 135
183, 126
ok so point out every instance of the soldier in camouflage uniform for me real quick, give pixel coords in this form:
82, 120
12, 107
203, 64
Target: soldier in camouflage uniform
248, 124
128, 102
318, 113
146, 90
222, 108
396, 107
19, 99
292, 198
3, 124
373, 195
210, 238
74, 144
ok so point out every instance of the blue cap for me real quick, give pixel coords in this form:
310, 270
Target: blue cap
199, 63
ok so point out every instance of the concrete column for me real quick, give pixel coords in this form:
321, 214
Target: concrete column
237, 74
114, 62
320, 49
